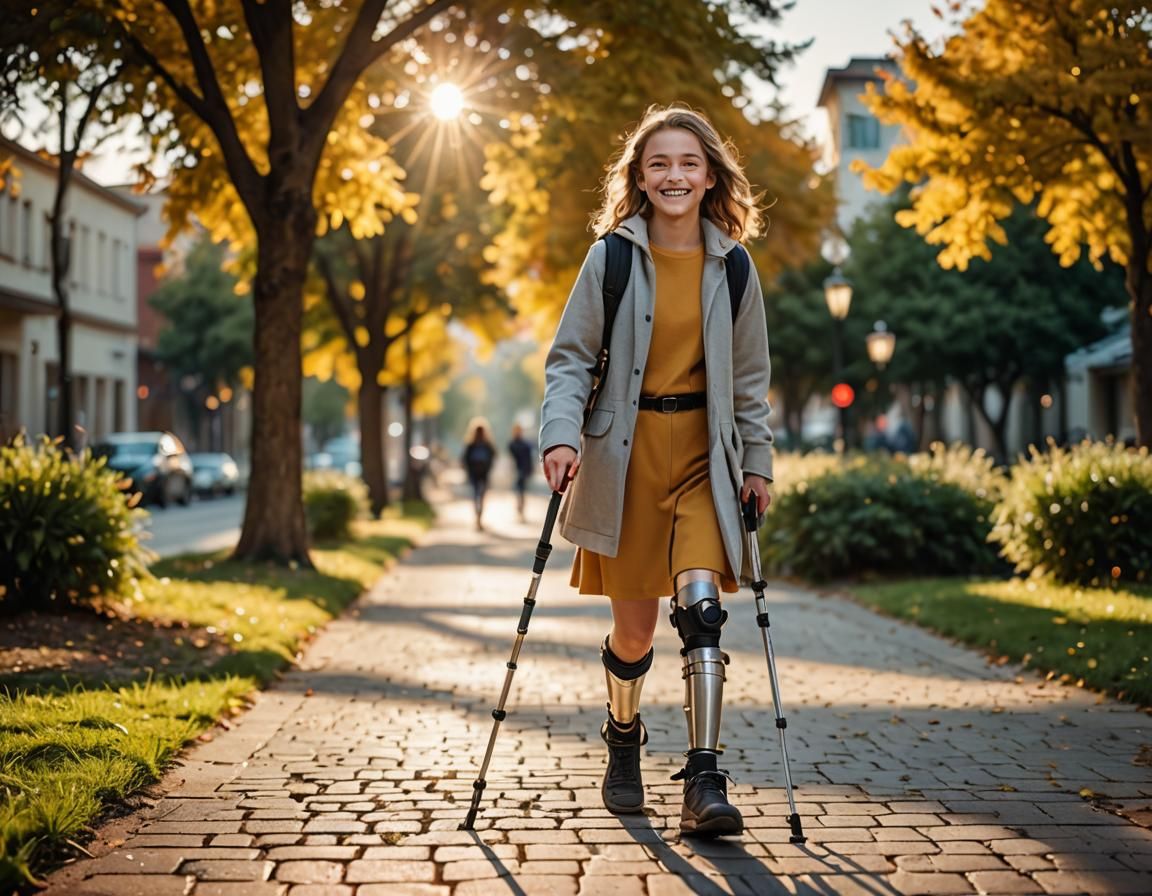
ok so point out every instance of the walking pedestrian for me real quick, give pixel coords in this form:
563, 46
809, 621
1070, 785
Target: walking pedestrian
678, 436
479, 454
523, 456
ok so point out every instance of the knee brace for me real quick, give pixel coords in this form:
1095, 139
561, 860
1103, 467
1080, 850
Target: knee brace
625, 681
698, 619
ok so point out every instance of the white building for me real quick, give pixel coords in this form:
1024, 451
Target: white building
855, 133
101, 226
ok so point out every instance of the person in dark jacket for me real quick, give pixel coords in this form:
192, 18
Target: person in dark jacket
479, 454
524, 456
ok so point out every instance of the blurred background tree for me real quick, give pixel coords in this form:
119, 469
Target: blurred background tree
206, 342
1045, 103
999, 322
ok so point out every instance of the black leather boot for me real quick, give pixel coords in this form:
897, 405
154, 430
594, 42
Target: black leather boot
706, 812
623, 789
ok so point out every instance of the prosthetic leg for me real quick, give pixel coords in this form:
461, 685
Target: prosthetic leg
698, 618
623, 732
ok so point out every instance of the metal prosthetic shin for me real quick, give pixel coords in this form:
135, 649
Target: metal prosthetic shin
625, 682
698, 618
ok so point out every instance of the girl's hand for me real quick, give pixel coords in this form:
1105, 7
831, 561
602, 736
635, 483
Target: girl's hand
758, 486
560, 465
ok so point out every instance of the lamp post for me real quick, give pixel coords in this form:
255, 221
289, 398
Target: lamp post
881, 343
838, 295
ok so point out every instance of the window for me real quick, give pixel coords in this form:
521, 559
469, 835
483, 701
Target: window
11, 212
84, 266
72, 252
9, 365
26, 233
102, 263
118, 405
46, 255
114, 284
863, 132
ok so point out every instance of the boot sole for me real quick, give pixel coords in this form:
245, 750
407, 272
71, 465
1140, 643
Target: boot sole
721, 826
621, 808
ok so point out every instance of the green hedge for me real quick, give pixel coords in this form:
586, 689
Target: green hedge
332, 501
67, 528
927, 516
1082, 515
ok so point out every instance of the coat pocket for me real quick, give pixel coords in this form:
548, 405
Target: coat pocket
598, 422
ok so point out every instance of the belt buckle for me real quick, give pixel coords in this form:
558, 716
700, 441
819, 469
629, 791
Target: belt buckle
669, 404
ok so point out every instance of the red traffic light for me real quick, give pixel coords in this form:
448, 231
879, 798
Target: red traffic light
843, 395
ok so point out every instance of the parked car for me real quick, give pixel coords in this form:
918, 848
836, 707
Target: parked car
341, 453
156, 462
214, 473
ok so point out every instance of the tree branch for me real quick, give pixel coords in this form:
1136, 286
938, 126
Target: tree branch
270, 24
337, 299
359, 52
214, 109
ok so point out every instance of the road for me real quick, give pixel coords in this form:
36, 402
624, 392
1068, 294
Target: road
205, 525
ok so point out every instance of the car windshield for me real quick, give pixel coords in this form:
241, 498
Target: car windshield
121, 451
206, 460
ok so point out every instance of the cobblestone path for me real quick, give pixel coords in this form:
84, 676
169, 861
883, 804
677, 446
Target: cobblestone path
921, 768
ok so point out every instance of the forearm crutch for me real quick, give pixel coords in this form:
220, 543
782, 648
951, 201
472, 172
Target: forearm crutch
751, 525
543, 549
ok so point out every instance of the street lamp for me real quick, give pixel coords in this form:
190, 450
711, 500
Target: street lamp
881, 343
838, 295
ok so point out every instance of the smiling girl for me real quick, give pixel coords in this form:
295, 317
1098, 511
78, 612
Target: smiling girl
678, 437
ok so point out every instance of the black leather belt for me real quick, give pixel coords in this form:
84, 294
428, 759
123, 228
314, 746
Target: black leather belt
670, 404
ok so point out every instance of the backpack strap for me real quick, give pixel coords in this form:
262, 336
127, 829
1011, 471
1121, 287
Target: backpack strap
617, 270
737, 268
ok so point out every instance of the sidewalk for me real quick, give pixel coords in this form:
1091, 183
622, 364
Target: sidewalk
921, 769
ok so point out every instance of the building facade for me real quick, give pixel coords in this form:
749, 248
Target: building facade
101, 231
855, 133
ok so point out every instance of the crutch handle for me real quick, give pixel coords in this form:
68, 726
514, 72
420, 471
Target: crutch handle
751, 513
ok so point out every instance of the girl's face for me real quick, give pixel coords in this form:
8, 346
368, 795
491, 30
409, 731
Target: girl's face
674, 173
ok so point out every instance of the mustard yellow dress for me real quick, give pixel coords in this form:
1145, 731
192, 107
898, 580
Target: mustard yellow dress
669, 522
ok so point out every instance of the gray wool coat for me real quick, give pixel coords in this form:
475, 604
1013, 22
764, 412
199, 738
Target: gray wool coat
737, 369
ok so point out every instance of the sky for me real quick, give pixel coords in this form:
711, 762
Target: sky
840, 29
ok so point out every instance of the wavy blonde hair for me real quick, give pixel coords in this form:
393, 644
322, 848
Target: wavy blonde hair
730, 204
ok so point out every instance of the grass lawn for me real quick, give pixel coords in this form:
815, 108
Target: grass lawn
1100, 639
90, 716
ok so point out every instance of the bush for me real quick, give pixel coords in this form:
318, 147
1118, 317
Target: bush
331, 502
1082, 515
67, 528
882, 516
972, 469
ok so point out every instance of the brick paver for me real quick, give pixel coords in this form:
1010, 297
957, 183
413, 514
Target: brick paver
920, 767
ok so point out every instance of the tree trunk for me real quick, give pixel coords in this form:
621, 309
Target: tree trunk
274, 524
1139, 283
413, 469
61, 263
998, 425
373, 411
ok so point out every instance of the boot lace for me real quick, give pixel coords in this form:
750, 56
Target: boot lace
624, 767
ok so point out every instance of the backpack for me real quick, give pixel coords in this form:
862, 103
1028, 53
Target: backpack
478, 458
617, 270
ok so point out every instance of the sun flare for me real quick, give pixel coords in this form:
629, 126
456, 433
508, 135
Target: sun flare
447, 102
